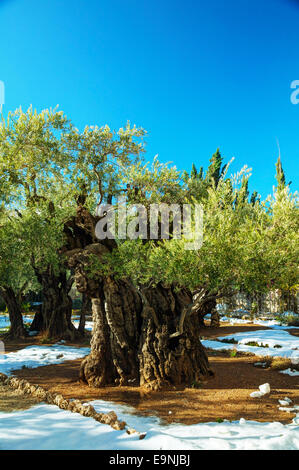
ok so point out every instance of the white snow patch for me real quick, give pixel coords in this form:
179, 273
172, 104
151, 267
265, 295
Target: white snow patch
35, 356
263, 390
88, 324
285, 402
278, 342
47, 427
294, 373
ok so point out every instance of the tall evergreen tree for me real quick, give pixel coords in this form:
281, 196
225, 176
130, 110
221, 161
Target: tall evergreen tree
193, 173
243, 194
215, 171
280, 176
254, 197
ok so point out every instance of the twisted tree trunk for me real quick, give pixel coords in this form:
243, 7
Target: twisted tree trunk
56, 312
116, 309
131, 341
166, 360
207, 306
215, 318
17, 329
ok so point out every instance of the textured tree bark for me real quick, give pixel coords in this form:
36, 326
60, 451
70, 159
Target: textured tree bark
56, 312
17, 329
115, 338
215, 318
208, 306
38, 322
86, 309
131, 341
165, 361
98, 368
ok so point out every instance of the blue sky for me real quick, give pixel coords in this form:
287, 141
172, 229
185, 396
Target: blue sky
196, 75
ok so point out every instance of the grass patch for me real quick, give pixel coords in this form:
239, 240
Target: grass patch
283, 363
196, 384
254, 343
228, 341
277, 363
290, 320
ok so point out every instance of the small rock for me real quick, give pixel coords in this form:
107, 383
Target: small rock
119, 425
131, 431
265, 388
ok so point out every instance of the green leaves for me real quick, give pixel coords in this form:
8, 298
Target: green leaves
48, 168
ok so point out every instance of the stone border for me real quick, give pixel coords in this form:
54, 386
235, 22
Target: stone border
75, 406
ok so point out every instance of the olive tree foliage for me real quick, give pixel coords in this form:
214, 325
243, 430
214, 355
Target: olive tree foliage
281, 241
98, 157
49, 171
248, 245
219, 265
274, 263
16, 274
146, 294
31, 157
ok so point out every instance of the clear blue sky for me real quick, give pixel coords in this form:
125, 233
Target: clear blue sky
196, 74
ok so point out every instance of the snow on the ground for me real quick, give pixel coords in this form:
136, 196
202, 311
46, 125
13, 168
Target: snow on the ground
290, 372
47, 427
5, 323
257, 321
278, 342
274, 324
35, 356
88, 324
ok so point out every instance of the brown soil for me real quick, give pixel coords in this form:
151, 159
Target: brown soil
16, 345
12, 400
225, 396
227, 329
294, 332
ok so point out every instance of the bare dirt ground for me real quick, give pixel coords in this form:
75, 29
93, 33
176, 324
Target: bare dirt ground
225, 396
11, 400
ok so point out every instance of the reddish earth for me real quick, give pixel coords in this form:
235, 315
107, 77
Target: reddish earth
225, 396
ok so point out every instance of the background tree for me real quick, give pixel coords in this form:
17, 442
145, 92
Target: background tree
16, 274
147, 295
32, 159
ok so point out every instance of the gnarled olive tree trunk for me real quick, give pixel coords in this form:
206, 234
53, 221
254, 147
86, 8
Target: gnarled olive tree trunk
207, 306
164, 359
56, 311
131, 341
17, 329
114, 345
215, 318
